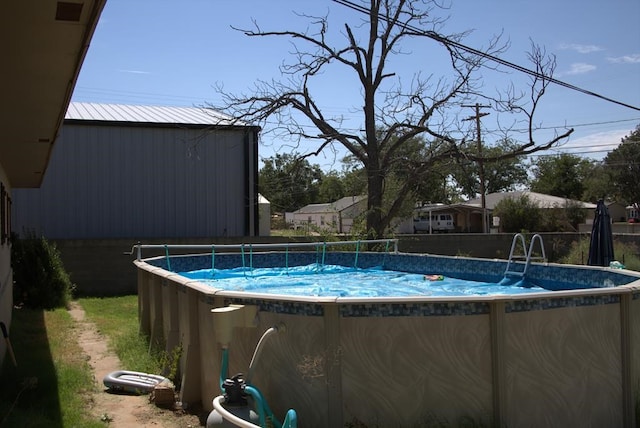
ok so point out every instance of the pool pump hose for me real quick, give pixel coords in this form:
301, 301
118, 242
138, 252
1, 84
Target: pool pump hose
258, 350
236, 390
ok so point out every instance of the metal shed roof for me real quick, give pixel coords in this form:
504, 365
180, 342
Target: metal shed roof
148, 114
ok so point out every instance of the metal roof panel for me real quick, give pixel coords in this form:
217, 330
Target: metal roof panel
148, 114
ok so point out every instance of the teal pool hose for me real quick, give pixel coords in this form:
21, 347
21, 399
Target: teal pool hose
224, 367
264, 412
291, 420
261, 406
166, 255
355, 263
213, 261
286, 259
243, 262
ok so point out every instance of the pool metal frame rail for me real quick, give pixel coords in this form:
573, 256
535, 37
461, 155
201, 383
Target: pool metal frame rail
214, 247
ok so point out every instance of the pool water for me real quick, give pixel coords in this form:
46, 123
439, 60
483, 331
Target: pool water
341, 281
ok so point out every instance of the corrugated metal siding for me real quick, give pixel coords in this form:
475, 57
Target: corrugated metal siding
136, 182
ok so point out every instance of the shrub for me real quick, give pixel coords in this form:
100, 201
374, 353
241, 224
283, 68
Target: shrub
518, 215
40, 280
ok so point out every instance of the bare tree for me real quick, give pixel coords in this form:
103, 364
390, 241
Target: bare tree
392, 114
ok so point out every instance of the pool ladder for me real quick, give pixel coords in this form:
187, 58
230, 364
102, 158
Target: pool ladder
518, 269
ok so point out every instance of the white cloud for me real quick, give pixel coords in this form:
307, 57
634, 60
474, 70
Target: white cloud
578, 68
595, 145
134, 71
584, 49
626, 59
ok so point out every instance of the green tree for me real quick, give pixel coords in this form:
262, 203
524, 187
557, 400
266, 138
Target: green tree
404, 104
518, 215
331, 188
438, 186
562, 175
289, 182
354, 177
435, 185
597, 184
565, 218
623, 167
501, 175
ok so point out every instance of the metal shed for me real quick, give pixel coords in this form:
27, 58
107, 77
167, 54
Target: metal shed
122, 171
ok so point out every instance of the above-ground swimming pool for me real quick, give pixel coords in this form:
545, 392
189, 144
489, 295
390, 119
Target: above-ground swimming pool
343, 281
561, 351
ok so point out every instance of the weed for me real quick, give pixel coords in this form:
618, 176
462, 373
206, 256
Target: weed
627, 254
170, 361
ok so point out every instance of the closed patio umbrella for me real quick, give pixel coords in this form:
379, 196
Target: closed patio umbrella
601, 246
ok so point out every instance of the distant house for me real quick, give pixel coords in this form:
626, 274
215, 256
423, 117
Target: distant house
467, 216
541, 200
633, 212
617, 211
428, 218
337, 217
463, 217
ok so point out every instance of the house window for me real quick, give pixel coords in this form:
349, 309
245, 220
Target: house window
321, 220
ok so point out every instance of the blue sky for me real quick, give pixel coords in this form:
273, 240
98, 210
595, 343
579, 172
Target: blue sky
170, 52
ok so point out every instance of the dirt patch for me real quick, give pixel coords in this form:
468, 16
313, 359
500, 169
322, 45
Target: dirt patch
121, 410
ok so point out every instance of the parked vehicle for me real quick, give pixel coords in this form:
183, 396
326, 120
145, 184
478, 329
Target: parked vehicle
434, 222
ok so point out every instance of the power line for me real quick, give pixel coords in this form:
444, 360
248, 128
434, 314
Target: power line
140, 95
435, 36
134, 94
609, 122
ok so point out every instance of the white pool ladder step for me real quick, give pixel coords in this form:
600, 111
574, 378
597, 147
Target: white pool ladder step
520, 269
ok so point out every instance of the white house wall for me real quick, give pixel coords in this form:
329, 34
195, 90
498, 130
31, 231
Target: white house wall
315, 219
143, 182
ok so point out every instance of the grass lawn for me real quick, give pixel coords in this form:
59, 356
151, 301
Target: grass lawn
49, 386
117, 319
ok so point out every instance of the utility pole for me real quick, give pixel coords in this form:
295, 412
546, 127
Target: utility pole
477, 117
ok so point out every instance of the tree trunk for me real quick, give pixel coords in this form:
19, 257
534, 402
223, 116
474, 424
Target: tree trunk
375, 228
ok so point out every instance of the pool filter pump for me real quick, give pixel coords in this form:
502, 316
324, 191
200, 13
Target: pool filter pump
235, 402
